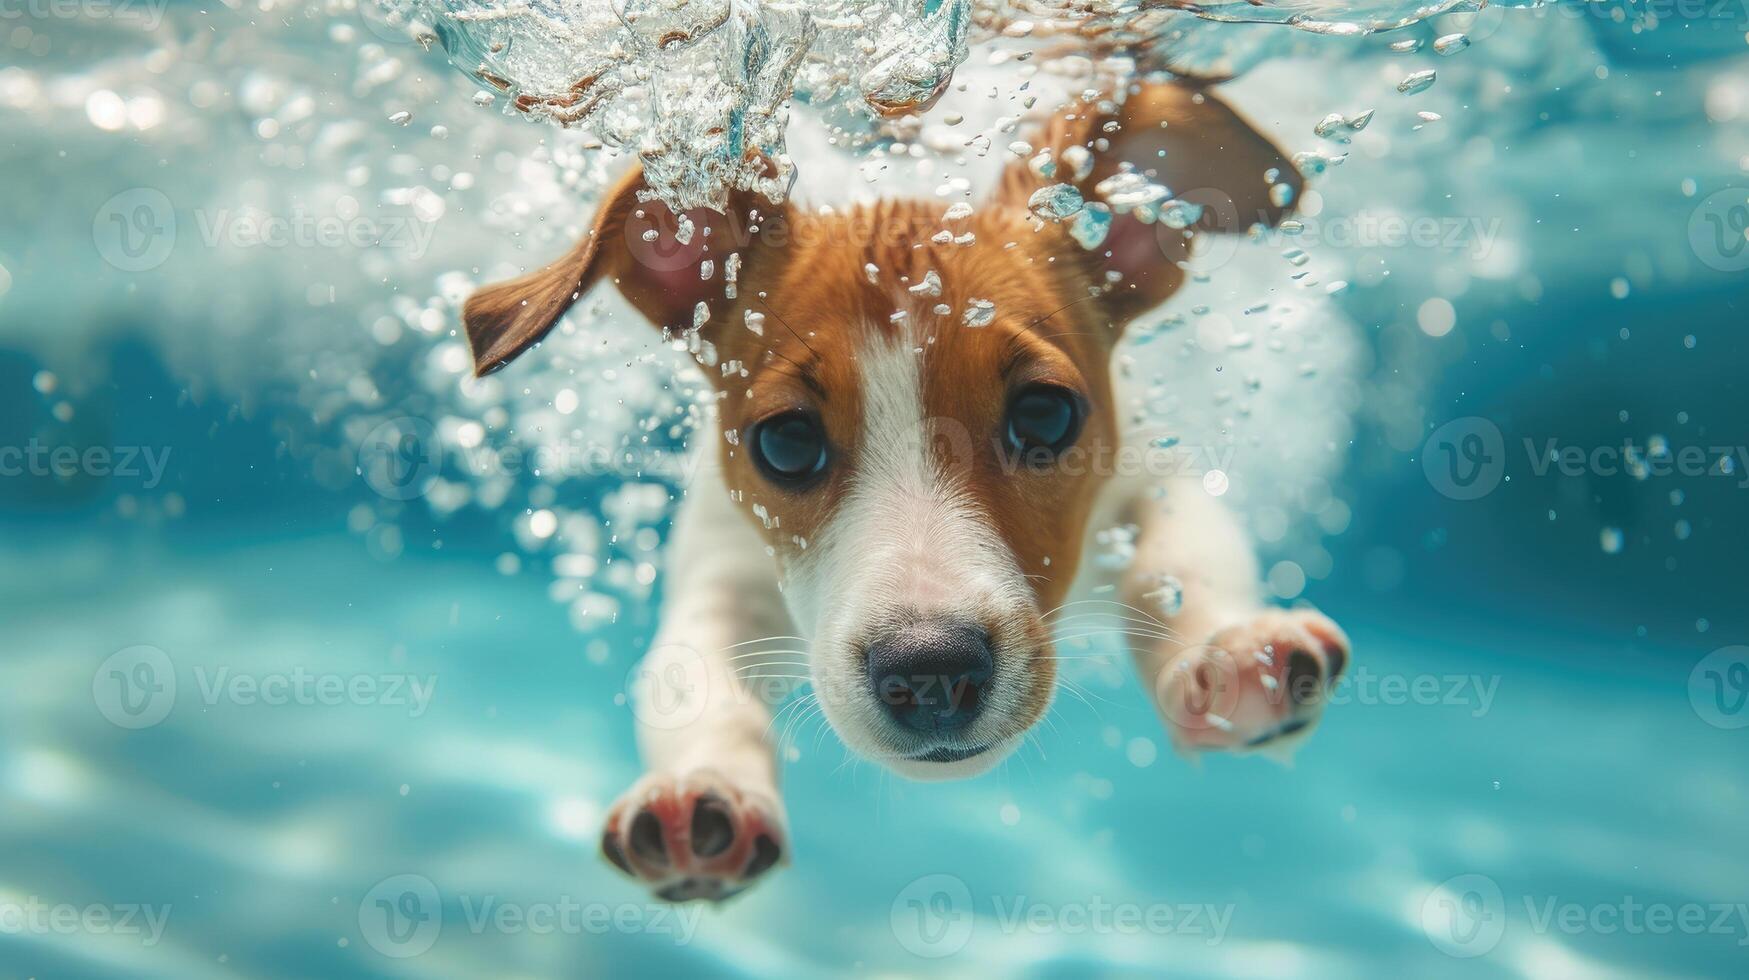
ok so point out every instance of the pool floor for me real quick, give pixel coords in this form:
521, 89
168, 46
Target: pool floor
380, 770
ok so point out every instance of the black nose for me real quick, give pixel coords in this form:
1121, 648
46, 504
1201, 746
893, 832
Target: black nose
930, 674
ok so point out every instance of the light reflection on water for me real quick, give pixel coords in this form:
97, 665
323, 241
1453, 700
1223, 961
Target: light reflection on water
264, 827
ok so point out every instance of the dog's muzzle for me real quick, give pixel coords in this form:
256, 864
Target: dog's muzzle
930, 676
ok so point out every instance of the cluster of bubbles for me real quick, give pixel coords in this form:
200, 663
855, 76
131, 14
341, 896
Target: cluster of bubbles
1242, 359
701, 89
334, 111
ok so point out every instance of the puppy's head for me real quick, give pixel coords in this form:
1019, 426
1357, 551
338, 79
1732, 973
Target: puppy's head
916, 423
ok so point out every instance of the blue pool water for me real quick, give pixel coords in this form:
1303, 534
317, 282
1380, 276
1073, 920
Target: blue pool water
1563, 766
260, 719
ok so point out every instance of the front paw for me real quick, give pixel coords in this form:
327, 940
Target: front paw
1260, 683
693, 836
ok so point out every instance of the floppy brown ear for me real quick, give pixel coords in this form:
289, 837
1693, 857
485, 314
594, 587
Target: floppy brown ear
653, 256
1184, 138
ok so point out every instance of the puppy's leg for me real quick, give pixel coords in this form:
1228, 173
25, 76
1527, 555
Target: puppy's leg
1231, 673
706, 819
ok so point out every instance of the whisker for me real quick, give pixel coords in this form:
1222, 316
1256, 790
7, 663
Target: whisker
1120, 622
787, 741
780, 713
770, 663
1093, 616
799, 719
1072, 688
1050, 722
1084, 694
1109, 602
1060, 309
799, 682
1132, 632
1118, 613
762, 639
786, 326
766, 653
1118, 631
849, 757
821, 733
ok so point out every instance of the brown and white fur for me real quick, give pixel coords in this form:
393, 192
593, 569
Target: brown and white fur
919, 521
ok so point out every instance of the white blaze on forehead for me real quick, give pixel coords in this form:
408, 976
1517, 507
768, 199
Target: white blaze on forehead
906, 539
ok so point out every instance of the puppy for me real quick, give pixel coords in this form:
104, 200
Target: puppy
908, 427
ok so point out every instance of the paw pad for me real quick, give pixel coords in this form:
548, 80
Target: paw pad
1254, 684
691, 838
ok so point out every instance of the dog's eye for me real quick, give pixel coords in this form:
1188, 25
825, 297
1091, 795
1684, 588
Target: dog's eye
1044, 417
789, 448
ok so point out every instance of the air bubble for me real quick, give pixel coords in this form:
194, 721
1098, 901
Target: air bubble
1056, 202
1167, 595
1449, 44
1418, 82
930, 286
